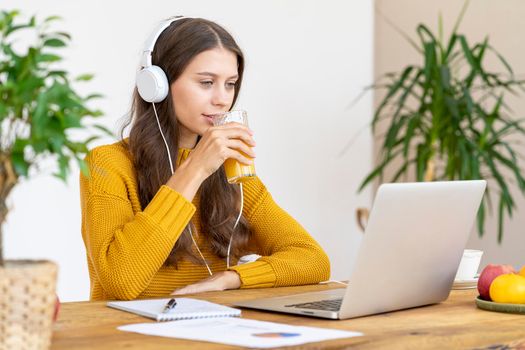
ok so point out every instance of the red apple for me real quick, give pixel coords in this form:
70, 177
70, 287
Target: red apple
487, 276
57, 308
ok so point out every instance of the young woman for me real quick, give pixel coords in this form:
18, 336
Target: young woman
153, 231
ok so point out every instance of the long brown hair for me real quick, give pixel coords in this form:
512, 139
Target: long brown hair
219, 201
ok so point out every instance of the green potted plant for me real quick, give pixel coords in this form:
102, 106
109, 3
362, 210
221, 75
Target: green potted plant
38, 110
447, 119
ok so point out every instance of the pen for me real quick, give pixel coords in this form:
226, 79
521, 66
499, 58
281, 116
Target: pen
170, 305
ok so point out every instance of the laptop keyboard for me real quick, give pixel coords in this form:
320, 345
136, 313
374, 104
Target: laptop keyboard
327, 305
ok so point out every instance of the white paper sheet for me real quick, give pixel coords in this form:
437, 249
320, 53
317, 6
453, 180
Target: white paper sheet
239, 331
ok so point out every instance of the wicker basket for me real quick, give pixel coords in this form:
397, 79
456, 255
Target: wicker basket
27, 303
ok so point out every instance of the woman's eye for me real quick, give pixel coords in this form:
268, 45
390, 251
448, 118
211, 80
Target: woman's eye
208, 83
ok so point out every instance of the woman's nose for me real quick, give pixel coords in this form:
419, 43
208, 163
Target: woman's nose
221, 96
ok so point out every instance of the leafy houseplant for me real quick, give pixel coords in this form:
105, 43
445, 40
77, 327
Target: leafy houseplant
448, 119
38, 110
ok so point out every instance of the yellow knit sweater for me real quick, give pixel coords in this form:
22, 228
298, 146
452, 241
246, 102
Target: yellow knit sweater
126, 246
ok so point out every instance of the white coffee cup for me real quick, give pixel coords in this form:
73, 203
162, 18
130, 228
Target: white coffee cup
468, 267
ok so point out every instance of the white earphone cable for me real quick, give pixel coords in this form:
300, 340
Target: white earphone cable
234, 227
164, 139
200, 253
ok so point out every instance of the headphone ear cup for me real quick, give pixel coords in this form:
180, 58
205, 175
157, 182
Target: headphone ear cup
152, 84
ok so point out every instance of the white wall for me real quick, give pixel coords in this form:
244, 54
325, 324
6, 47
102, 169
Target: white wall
306, 60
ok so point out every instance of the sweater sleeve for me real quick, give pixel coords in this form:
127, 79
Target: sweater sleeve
127, 246
290, 256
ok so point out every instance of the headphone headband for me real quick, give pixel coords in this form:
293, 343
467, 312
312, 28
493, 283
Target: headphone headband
149, 44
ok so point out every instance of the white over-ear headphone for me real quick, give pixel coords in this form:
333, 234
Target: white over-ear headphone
151, 80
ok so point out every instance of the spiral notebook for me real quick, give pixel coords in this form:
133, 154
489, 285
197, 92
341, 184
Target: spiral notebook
186, 308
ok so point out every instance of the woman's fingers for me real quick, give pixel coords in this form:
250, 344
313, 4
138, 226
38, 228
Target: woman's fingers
233, 142
219, 143
189, 289
186, 290
198, 287
234, 131
219, 281
233, 125
233, 154
241, 146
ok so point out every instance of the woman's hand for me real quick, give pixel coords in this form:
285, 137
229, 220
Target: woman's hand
217, 144
219, 281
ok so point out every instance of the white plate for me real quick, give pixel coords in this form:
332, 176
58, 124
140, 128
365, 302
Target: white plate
466, 284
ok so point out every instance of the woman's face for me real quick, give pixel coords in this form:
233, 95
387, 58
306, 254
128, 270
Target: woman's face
204, 88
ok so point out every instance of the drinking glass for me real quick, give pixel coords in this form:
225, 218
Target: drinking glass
236, 172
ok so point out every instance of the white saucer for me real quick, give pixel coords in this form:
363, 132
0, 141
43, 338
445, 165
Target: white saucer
466, 284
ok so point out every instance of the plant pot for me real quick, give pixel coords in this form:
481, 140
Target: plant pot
27, 304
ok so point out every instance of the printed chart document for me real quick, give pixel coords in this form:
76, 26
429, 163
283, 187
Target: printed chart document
239, 331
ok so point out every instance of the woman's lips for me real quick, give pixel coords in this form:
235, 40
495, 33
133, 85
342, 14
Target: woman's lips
208, 117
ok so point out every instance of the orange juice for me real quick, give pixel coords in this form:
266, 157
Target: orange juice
237, 172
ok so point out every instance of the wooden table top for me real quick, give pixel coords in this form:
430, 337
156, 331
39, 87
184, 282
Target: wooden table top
454, 324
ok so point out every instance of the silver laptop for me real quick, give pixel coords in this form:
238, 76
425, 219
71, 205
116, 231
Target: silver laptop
409, 255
